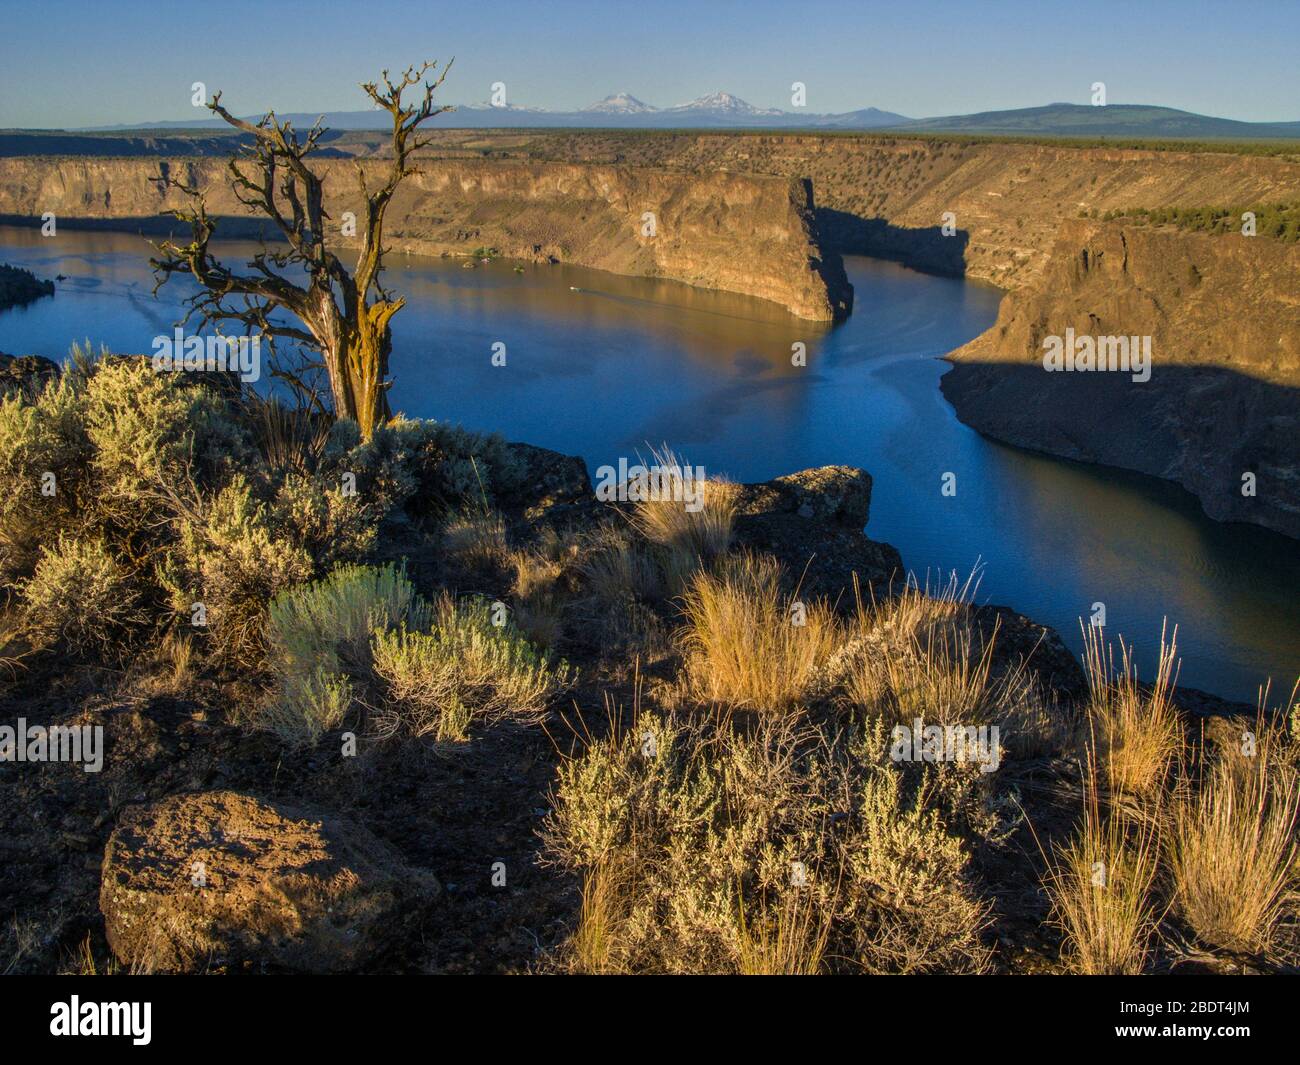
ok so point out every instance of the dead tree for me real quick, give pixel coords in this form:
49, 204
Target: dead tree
344, 316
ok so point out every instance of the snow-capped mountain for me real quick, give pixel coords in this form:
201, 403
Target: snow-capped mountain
620, 103
725, 104
487, 105
621, 110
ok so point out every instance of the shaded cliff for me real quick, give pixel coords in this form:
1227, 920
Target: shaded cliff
1223, 399
750, 235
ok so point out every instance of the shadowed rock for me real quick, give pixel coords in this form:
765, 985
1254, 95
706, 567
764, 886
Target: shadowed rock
812, 521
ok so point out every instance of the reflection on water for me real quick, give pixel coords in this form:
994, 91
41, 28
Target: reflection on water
601, 366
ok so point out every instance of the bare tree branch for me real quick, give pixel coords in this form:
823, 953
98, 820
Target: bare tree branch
345, 316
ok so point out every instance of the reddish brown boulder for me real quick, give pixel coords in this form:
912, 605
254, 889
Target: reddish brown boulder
220, 880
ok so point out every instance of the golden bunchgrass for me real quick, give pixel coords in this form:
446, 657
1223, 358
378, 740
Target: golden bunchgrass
1133, 729
686, 536
1232, 850
787, 940
593, 947
749, 646
1100, 885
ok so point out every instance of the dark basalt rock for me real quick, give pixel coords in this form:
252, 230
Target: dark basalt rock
551, 488
25, 373
1018, 639
812, 521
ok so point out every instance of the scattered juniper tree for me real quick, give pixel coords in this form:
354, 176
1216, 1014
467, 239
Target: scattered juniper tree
345, 317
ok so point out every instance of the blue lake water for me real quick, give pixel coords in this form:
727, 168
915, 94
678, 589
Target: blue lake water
604, 366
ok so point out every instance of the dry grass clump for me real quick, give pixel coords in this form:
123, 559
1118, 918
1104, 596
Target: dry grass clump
1100, 884
476, 539
620, 587
170, 669
915, 656
592, 950
13, 646
788, 940
916, 610
704, 532
1133, 730
685, 535
746, 644
539, 590
177, 651
290, 439
940, 675
617, 568
768, 848
920, 656
1232, 851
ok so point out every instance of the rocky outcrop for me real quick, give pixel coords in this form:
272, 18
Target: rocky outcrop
25, 373
549, 487
19, 287
1220, 414
836, 494
812, 522
753, 235
220, 880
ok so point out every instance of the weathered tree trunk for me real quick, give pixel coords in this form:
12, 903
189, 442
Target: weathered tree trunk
352, 334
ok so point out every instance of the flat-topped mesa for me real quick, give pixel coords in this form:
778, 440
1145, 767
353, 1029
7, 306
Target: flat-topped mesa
1217, 415
751, 235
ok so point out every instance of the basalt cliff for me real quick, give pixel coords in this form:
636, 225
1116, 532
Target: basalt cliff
752, 235
1220, 413
769, 215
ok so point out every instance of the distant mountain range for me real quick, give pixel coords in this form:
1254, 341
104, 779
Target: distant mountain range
622, 110
1114, 120
722, 110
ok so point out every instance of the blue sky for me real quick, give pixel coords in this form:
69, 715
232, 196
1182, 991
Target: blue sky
82, 62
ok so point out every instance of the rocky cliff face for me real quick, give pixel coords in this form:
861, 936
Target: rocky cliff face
1220, 414
887, 196
750, 235
737, 213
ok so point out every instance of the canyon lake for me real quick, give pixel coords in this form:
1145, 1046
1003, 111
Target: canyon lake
605, 367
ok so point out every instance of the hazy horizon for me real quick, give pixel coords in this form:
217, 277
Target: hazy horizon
572, 54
